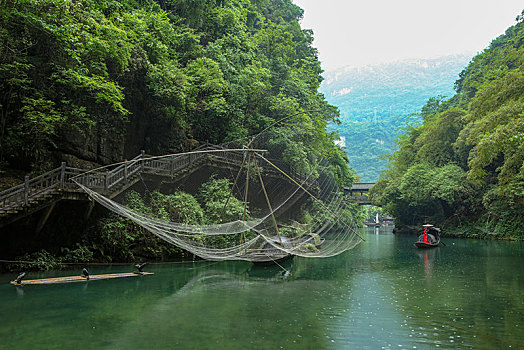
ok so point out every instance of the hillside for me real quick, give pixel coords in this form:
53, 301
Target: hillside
396, 90
463, 167
91, 83
95, 82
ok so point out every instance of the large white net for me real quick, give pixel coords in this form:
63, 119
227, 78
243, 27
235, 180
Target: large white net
226, 203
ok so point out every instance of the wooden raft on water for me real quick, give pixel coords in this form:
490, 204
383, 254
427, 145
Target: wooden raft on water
71, 279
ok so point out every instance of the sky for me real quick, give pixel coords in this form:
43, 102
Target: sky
362, 32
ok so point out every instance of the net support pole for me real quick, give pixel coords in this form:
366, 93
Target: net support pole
311, 195
268, 203
245, 195
232, 189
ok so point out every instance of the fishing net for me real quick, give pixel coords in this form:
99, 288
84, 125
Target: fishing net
229, 202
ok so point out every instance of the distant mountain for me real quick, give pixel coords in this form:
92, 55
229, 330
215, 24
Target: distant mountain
401, 87
375, 102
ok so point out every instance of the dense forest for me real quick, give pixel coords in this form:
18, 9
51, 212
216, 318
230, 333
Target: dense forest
398, 90
463, 168
94, 82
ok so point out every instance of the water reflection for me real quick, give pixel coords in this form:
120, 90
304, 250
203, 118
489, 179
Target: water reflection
385, 293
233, 311
281, 271
428, 257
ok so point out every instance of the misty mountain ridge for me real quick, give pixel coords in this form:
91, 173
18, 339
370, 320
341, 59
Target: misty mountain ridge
377, 101
397, 88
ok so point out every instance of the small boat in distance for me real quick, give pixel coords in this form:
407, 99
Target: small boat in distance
430, 238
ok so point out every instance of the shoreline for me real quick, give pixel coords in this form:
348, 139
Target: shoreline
466, 232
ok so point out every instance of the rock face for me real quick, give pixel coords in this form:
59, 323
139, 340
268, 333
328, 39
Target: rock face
104, 144
95, 145
154, 135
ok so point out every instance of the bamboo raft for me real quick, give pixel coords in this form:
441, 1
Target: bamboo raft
71, 279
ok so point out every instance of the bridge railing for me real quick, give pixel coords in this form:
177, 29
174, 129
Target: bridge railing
63, 176
121, 173
163, 166
359, 199
33, 187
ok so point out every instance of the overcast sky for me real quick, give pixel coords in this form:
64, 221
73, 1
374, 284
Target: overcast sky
360, 32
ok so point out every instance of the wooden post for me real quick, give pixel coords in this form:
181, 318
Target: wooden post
125, 170
89, 210
44, 217
26, 190
106, 181
245, 197
142, 154
268, 203
62, 174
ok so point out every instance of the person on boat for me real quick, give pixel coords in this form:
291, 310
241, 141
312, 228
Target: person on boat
427, 237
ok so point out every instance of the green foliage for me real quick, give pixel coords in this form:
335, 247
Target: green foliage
178, 207
338, 167
465, 163
81, 254
94, 79
120, 239
164, 72
56, 74
41, 260
433, 188
397, 91
218, 202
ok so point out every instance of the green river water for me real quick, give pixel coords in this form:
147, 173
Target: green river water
384, 294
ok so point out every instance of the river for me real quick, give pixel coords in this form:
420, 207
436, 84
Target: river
384, 294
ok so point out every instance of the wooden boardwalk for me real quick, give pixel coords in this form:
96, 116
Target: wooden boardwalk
41, 193
44, 191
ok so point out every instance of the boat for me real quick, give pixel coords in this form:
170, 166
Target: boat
71, 279
265, 259
312, 238
269, 253
426, 245
430, 238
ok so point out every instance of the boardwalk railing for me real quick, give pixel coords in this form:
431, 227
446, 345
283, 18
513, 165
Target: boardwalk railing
61, 178
359, 199
103, 181
35, 187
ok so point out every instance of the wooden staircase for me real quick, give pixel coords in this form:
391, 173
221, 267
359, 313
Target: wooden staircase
44, 191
